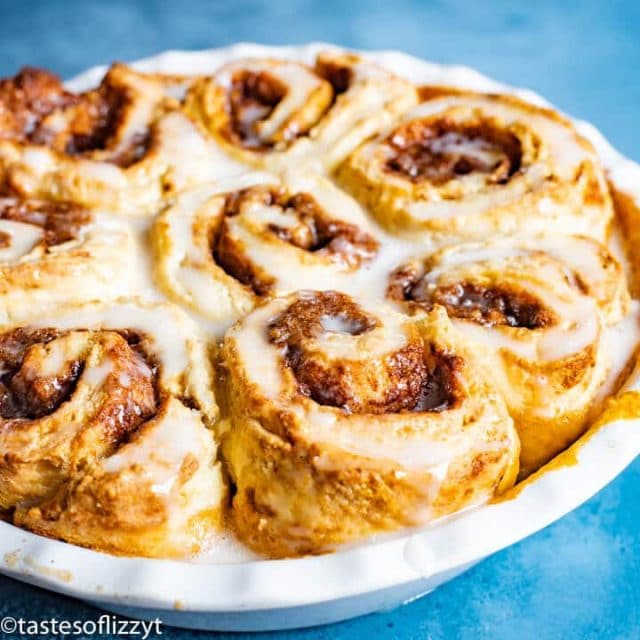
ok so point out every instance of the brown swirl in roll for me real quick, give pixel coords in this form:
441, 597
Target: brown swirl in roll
276, 113
495, 305
474, 166
254, 94
60, 221
348, 418
67, 397
441, 150
103, 429
338, 72
29, 390
35, 108
252, 98
408, 379
316, 232
534, 311
27, 98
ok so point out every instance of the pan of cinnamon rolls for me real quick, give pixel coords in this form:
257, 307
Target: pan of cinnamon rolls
301, 300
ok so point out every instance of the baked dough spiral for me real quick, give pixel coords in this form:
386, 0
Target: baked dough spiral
52, 253
103, 429
346, 418
222, 253
473, 165
534, 310
340, 416
124, 146
282, 112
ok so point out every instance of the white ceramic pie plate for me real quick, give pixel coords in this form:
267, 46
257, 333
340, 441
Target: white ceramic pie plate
266, 595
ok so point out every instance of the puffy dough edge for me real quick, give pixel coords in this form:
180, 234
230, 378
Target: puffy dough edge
342, 505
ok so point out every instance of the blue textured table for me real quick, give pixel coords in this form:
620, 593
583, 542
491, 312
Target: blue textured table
580, 578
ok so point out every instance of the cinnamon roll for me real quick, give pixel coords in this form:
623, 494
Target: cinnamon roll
282, 112
123, 146
472, 165
52, 253
103, 429
346, 418
220, 254
534, 310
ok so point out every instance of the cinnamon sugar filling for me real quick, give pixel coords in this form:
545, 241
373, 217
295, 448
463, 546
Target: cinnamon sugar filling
313, 231
27, 98
254, 96
489, 306
35, 108
409, 379
339, 76
60, 221
443, 150
40, 371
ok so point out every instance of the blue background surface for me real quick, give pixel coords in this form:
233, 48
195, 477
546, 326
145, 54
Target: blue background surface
580, 578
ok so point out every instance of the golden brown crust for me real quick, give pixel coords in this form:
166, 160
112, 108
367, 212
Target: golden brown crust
345, 440
53, 253
41, 112
521, 302
222, 252
357, 419
282, 114
26, 99
465, 164
60, 221
113, 147
121, 510
103, 430
30, 394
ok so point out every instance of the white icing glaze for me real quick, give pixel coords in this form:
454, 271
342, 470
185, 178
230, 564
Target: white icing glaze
200, 160
299, 81
371, 280
55, 358
378, 342
97, 374
142, 259
430, 454
338, 324
161, 447
163, 324
477, 149
251, 339
22, 238
156, 457
578, 320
